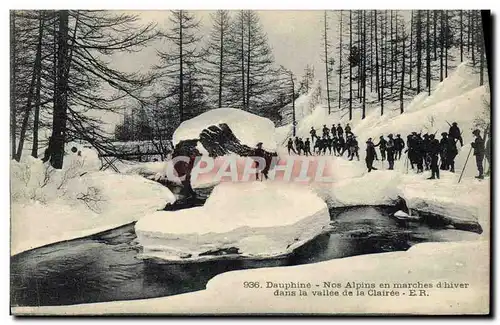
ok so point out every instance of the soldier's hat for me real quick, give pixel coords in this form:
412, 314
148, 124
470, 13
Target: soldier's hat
259, 144
390, 135
369, 139
398, 135
454, 123
444, 133
476, 131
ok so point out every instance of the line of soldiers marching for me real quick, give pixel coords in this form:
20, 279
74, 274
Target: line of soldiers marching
332, 140
423, 151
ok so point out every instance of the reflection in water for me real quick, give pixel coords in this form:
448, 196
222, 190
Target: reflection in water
104, 267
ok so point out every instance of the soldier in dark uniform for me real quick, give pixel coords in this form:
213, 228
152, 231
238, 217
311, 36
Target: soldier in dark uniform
301, 146
313, 134
434, 150
411, 150
354, 148
334, 144
383, 147
443, 143
455, 133
348, 129
326, 130
307, 147
451, 153
425, 151
290, 146
325, 144
340, 131
390, 151
478, 146
341, 145
487, 154
318, 145
399, 145
370, 155
329, 145
347, 146
334, 130
419, 152
259, 152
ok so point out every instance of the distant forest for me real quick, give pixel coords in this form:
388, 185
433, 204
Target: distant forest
62, 77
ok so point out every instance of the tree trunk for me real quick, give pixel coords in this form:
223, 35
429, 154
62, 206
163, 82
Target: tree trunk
350, 65
13, 110
481, 51
396, 40
371, 51
441, 39
401, 90
29, 102
363, 114
358, 22
293, 105
60, 110
435, 34
36, 118
419, 49
181, 70
469, 19
221, 60
243, 61
447, 43
326, 65
340, 62
377, 76
383, 44
428, 56
249, 63
391, 40
411, 51
461, 36
473, 37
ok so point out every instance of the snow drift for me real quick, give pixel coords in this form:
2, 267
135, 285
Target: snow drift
258, 219
50, 205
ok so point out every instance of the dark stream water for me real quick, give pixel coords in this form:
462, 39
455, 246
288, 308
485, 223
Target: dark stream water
104, 267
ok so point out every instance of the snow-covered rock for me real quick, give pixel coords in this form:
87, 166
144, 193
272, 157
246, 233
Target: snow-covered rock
247, 127
51, 205
258, 219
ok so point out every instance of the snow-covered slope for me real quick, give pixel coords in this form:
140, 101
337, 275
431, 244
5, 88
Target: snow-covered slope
51, 205
457, 99
259, 219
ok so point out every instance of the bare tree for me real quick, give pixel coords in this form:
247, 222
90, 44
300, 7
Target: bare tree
326, 59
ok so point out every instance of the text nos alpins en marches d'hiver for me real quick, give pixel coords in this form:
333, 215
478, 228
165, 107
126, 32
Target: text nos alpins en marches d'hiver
352, 288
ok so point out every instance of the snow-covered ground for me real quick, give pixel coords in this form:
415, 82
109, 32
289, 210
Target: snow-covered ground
51, 205
258, 219
461, 262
